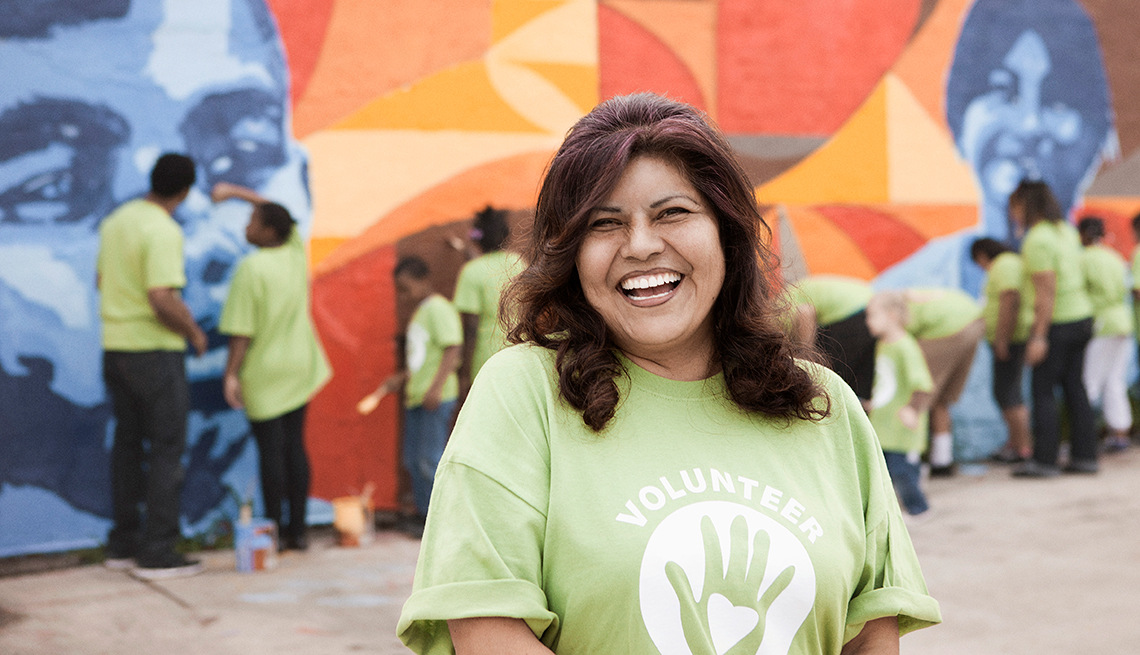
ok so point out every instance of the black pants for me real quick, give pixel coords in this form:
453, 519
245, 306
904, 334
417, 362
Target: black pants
150, 399
284, 469
1063, 365
850, 349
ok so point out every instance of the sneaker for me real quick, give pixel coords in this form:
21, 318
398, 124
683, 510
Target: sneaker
172, 566
1082, 466
1116, 444
1033, 469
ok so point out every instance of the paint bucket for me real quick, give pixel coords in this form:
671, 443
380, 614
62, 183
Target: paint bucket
255, 545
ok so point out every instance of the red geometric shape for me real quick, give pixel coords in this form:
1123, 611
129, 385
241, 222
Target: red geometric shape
882, 238
631, 59
354, 308
302, 25
802, 68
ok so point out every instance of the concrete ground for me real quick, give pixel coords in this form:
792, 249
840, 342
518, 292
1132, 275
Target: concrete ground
1019, 566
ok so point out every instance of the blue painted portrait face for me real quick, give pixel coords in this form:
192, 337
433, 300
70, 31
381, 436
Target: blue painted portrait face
1027, 98
93, 93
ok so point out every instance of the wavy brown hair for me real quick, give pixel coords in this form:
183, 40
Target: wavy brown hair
549, 308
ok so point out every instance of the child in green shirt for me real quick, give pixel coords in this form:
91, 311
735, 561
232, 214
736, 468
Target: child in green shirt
431, 387
900, 401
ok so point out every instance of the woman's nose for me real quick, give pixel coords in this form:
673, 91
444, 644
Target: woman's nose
644, 241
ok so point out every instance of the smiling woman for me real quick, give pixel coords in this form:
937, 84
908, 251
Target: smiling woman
572, 512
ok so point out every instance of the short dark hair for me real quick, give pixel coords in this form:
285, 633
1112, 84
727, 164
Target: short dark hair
493, 228
172, 174
986, 246
755, 355
413, 267
277, 218
1091, 227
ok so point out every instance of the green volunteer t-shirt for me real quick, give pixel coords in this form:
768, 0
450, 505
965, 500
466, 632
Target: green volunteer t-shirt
1007, 273
434, 326
1056, 247
617, 542
939, 312
900, 371
140, 248
481, 283
269, 302
1105, 277
834, 297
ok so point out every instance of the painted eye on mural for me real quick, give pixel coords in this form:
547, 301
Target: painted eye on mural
56, 161
237, 137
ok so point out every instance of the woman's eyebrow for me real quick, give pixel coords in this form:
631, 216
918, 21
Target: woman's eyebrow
671, 198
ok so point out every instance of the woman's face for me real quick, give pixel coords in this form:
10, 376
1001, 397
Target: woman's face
652, 265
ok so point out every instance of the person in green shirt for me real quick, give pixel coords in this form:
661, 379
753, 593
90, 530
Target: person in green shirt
948, 326
1062, 327
829, 312
481, 283
653, 423
275, 362
431, 388
146, 326
901, 399
1008, 318
1110, 352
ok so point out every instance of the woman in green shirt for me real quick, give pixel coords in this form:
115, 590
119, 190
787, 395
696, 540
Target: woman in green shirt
1061, 330
1110, 352
1008, 314
652, 412
275, 362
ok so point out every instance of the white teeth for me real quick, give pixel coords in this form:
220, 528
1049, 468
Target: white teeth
650, 281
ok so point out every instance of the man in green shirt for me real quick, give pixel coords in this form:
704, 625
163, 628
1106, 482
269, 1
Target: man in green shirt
146, 326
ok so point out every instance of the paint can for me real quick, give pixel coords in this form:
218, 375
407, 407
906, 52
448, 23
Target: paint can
255, 545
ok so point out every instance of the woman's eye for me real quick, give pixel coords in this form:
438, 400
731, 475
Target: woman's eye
603, 223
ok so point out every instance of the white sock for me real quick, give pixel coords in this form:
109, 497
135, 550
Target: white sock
941, 450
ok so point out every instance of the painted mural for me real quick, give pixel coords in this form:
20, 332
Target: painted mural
881, 135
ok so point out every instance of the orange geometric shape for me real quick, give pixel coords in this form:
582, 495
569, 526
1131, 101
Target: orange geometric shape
932, 221
508, 183
687, 28
579, 83
372, 49
850, 168
923, 65
321, 247
883, 239
631, 59
801, 68
302, 28
826, 247
509, 15
924, 164
460, 98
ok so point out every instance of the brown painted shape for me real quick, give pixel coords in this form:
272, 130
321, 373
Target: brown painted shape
1116, 24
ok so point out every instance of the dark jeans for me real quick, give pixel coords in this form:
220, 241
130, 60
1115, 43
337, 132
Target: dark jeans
284, 469
1063, 365
150, 399
425, 436
904, 476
